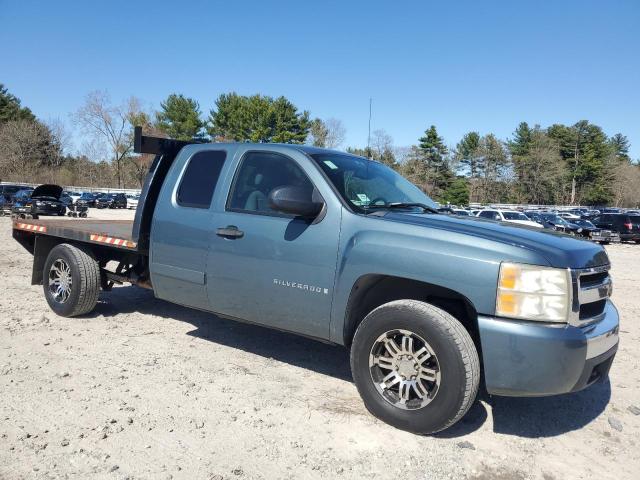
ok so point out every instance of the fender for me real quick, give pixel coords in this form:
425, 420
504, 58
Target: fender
451, 260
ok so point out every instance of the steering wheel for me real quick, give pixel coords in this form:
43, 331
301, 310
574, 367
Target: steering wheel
378, 199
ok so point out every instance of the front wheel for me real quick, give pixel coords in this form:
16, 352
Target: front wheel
415, 366
71, 280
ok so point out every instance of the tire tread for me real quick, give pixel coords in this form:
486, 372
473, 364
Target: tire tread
450, 326
89, 272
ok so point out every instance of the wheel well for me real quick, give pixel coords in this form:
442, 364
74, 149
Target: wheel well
371, 291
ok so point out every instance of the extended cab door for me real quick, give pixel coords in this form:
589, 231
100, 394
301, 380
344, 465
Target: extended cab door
267, 267
182, 225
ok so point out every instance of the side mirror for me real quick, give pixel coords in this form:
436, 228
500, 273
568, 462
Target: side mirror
296, 200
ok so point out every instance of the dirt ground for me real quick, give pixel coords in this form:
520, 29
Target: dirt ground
145, 389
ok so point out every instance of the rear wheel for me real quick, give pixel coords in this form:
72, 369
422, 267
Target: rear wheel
415, 366
71, 280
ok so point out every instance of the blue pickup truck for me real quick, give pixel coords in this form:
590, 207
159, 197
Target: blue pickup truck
343, 249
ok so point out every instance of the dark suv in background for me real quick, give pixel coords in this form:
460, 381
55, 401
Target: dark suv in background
627, 226
87, 199
112, 200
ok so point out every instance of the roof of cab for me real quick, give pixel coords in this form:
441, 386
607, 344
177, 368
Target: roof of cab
308, 149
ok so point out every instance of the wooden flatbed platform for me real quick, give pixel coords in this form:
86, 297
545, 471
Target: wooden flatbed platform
116, 233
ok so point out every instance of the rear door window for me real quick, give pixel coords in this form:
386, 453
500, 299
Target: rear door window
200, 178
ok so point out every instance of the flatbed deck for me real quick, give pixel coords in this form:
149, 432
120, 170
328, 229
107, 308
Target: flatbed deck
116, 233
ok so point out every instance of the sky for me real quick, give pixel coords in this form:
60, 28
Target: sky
460, 65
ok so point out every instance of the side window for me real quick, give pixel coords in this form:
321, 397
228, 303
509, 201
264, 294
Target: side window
597, 219
200, 178
486, 214
258, 174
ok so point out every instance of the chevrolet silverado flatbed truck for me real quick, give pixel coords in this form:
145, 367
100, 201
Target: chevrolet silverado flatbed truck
345, 250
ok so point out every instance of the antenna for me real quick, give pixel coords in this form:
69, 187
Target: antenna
369, 136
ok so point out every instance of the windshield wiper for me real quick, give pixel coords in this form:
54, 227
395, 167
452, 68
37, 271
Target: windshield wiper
400, 205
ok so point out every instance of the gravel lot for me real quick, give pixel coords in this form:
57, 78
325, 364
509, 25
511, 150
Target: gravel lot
146, 389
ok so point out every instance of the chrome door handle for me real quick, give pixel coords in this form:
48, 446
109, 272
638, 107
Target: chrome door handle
230, 231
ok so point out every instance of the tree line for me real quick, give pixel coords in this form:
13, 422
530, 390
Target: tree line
558, 164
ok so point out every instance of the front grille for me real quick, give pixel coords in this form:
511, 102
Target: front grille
590, 279
592, 288
590, 310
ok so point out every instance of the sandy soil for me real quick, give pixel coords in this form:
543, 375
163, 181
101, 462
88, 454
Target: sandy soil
146, 389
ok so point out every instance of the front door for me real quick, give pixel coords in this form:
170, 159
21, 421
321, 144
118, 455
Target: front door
267, 267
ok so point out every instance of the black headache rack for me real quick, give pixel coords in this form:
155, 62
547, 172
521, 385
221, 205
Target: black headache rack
165, 151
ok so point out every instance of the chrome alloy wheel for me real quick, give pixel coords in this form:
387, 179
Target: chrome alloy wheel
404, 369
60, 281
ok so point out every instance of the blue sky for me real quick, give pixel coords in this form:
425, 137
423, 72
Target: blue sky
462, 66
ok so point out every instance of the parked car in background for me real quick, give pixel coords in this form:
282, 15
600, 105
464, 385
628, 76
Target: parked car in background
43, 200
446, 210
88, 199
627, 226
569, 216
556, 222
5, 205
510, 216
75, 196
578, 211
66, 199
112, 200
132, 201
596, 234
585, 224
8, 191
461, 212
590, 214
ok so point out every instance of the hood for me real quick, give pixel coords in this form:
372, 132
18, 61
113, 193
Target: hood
47, 190
560, 250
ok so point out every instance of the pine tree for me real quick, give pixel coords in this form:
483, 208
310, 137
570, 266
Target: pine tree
467, 153
10, 108
433, 148
180, 118
620, 144
258, 119
521, 141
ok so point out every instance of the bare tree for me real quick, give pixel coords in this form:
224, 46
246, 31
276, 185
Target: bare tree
381, 141
335, 133
25, 147
626, 185
61, 133
110, 124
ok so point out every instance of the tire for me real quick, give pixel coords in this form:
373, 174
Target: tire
456, 363
84, 287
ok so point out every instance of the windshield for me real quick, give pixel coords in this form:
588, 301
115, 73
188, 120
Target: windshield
515, 216
550, 217
23, 194
584, 223
366, 184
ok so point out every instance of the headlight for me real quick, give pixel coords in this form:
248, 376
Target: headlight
532, 292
